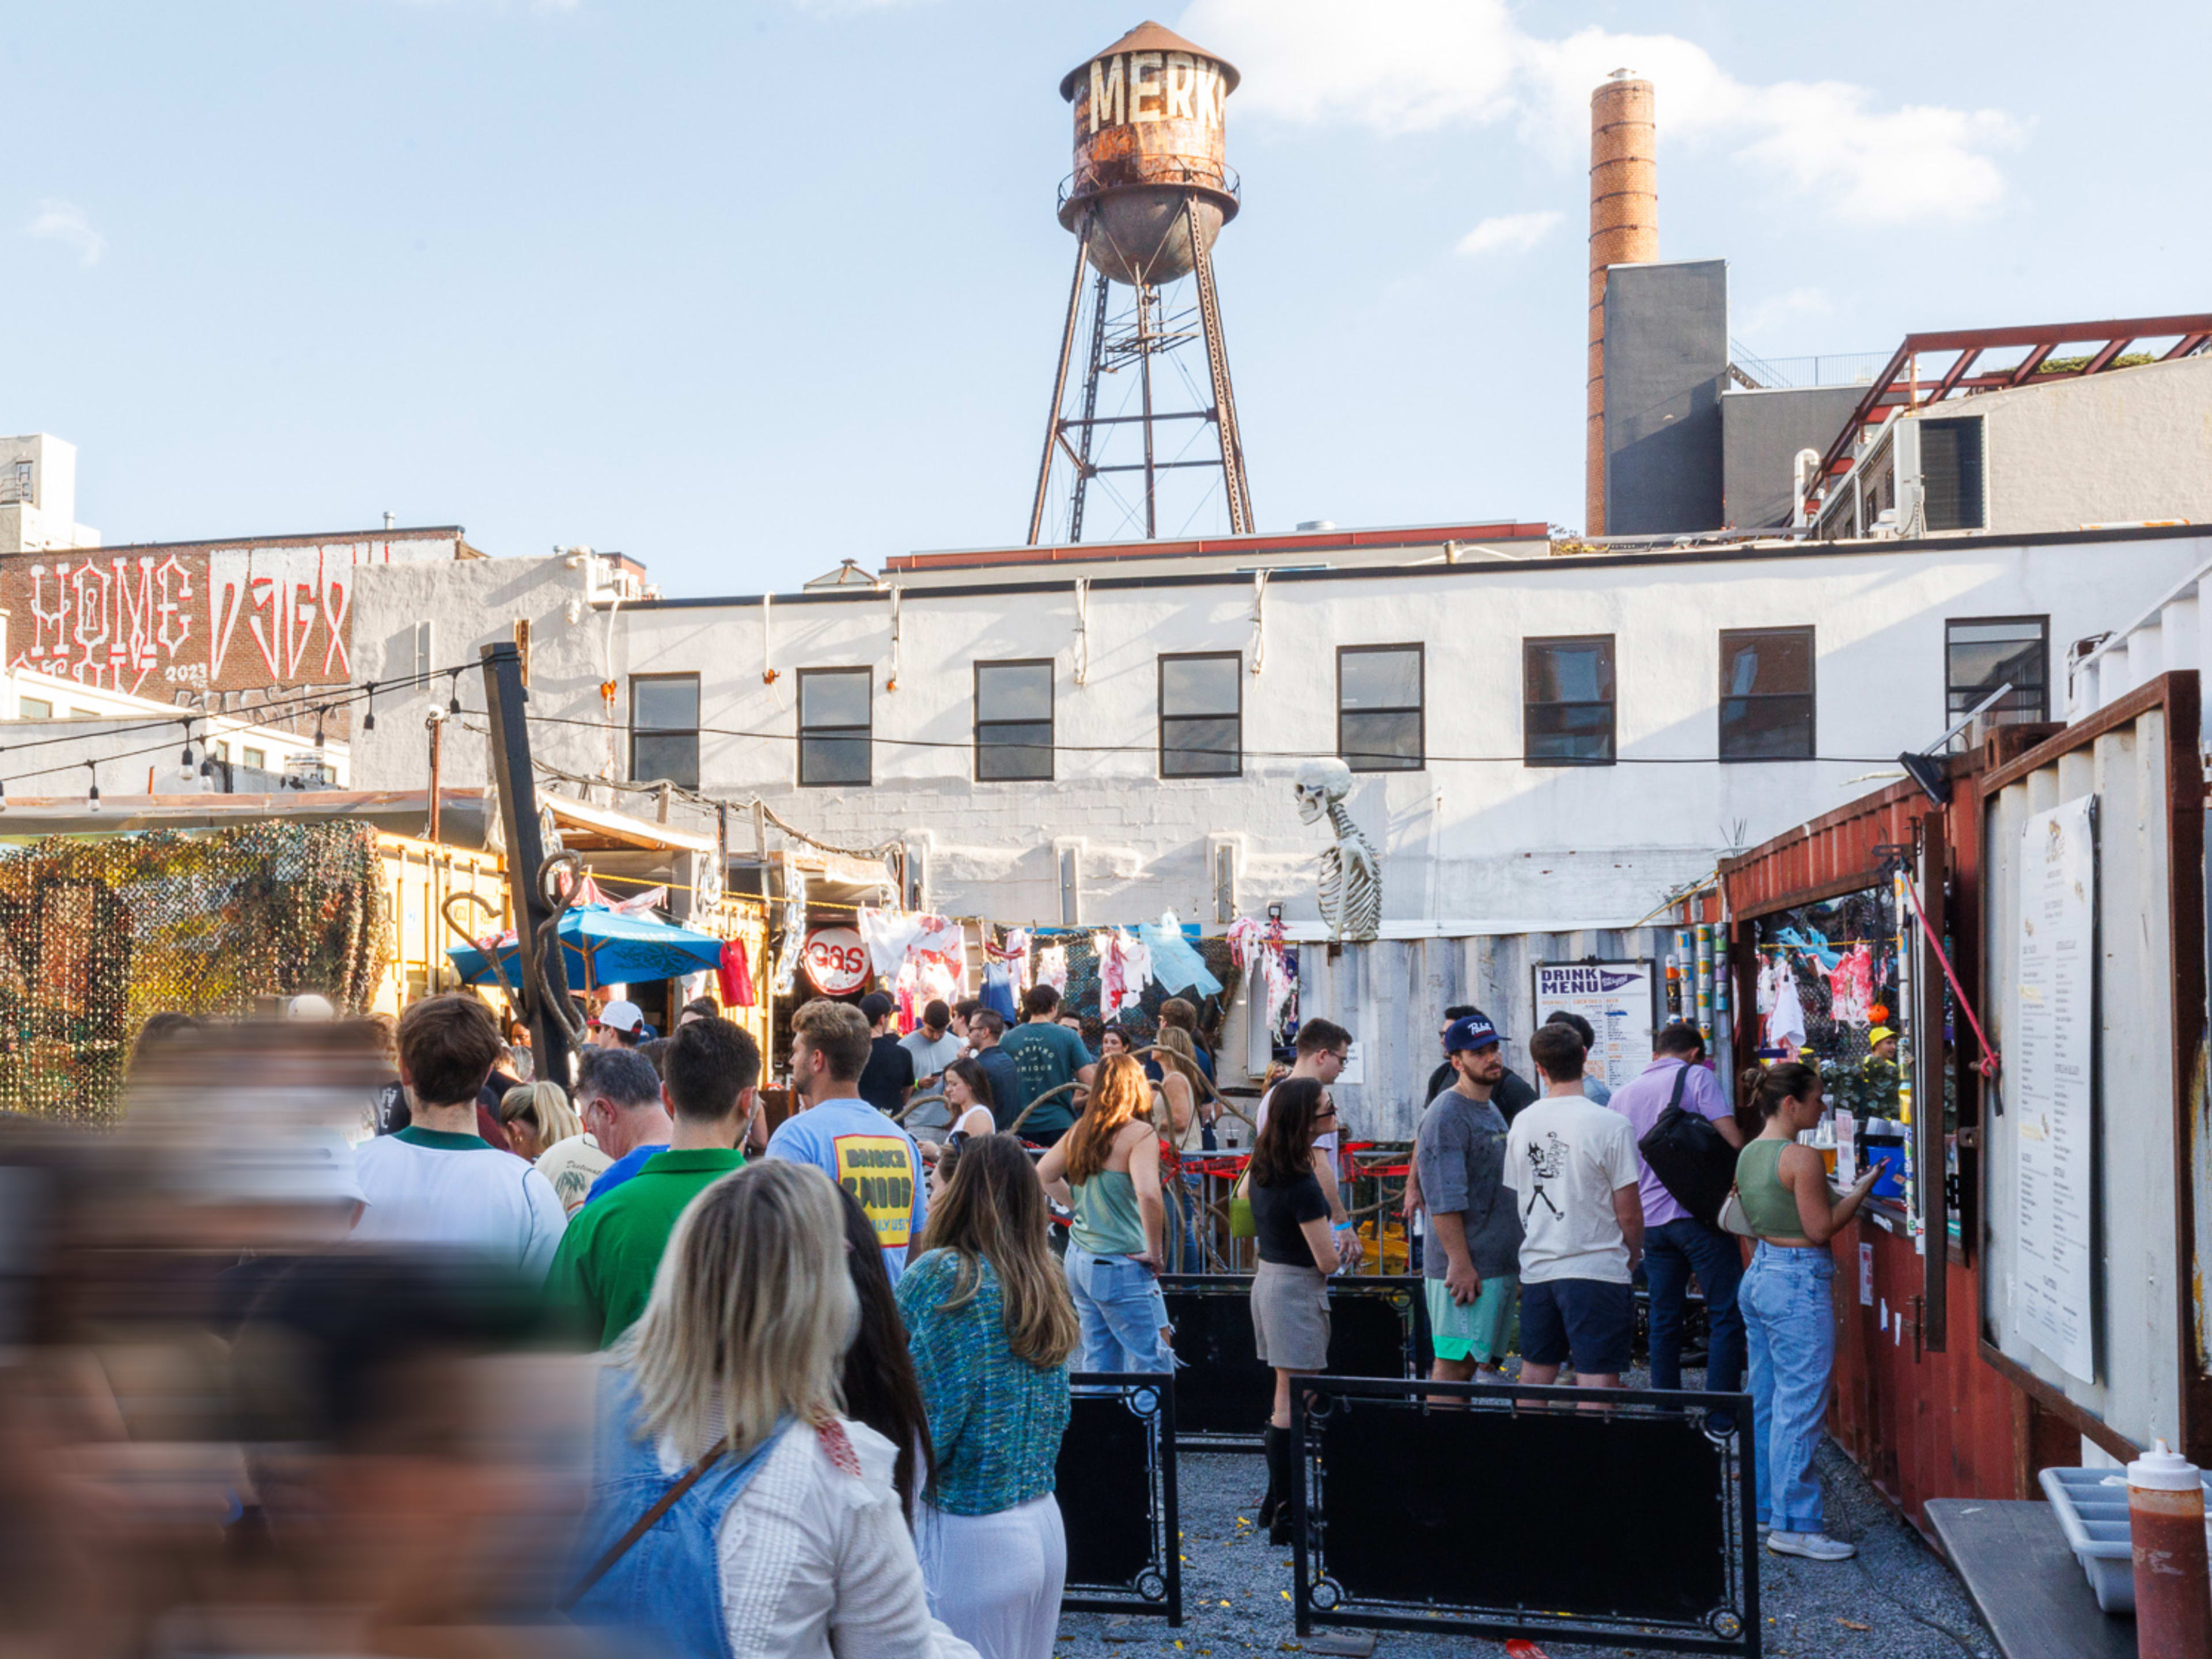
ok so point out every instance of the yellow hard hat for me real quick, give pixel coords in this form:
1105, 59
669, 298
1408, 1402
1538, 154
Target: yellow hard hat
1881, 1033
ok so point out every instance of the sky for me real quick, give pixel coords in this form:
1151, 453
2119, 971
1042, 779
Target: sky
745, 288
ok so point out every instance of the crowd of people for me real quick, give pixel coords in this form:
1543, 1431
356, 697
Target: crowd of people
833, 1360
1539, 1208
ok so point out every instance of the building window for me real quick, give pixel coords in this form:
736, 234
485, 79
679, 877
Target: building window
1013, 720
833, 725
258, 759
1202, 715
35, 708
1378, 707
1566, 708
1951, 472
1766, 694
664, 729
1981, 653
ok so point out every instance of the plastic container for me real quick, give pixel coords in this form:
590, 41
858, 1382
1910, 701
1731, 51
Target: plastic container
2092, 1507
2174, 1594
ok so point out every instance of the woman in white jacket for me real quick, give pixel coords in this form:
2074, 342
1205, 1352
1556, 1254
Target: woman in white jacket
785, 1535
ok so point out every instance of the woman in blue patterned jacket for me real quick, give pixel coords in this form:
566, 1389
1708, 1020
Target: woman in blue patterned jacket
991, 1326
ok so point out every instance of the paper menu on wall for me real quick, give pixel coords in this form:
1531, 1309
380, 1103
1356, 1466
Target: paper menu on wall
2049, 1058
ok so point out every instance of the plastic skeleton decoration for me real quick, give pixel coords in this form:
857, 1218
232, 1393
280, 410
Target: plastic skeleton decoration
1351, 877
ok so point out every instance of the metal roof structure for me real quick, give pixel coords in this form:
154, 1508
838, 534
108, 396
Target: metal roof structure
1972, 360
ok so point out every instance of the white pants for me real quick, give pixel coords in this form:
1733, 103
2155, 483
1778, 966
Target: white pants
995, 1579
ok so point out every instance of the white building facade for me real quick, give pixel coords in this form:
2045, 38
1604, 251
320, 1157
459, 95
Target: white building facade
1538, 745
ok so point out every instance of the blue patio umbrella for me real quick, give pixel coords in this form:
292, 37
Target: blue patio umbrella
601, 946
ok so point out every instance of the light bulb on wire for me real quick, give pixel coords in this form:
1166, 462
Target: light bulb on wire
455, 707
368, 721
92, 797
185, 760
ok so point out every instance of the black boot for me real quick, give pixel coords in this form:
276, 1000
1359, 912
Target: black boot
1277, 1501
1282, 1478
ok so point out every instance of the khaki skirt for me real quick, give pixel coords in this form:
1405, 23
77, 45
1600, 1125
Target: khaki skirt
1290, 1318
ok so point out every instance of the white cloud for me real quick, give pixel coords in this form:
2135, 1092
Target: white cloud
1420, 66
64, 223
1508, 232
1777, 310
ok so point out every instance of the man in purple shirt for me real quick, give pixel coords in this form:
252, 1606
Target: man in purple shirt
1676, 1243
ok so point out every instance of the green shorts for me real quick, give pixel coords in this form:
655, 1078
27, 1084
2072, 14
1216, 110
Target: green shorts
1477, 1331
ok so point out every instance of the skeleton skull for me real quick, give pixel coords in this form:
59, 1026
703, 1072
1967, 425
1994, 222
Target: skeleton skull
1321, 785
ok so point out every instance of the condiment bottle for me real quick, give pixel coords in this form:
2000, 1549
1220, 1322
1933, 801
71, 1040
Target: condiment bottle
2166, 1523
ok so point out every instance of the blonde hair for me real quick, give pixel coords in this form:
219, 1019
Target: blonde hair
1120, 1095
546, 1105
1178, 1053
752, 1312
993, 1211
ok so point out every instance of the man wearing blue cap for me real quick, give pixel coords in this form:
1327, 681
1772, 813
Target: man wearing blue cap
1472, 1263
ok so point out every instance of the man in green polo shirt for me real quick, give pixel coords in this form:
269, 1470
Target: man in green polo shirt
612, 1248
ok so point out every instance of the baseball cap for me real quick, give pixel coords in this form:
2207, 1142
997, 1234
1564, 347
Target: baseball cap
624, 1017
1471, 1031
875, 1005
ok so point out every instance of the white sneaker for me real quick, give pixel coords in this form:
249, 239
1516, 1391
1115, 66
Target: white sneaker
1813, 1545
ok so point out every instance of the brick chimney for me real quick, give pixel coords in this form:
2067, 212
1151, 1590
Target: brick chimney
1624, 206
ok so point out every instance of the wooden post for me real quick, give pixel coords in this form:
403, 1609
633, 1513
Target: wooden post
504, 698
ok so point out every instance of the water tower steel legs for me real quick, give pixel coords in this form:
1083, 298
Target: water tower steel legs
1060, 384
1102, 290
1234, 483
1149, 337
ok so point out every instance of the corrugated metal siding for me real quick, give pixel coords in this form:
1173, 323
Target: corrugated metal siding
1391, 995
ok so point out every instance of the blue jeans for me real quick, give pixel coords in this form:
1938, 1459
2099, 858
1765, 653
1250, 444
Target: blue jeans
1788, 1315
1188, 1256
1672, 1252
1117, 1301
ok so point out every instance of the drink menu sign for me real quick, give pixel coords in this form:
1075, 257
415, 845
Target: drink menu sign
2049, 1058
1617, 998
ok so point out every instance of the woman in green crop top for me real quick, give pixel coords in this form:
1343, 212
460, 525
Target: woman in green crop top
1788, 1317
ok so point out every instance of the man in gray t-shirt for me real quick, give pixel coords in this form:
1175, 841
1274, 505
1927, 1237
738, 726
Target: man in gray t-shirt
1472, 1264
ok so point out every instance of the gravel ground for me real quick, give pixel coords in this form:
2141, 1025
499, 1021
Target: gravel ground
1896, 1601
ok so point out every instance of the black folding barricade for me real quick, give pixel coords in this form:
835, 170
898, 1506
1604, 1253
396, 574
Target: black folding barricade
1615, 1517
1378, 1327
1115, 1482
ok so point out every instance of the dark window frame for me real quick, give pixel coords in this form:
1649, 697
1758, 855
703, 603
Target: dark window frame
836, 733
1235, 768
1975, 694
1051, 718
1419, 710
1811, 695
1529, 646
1974, 515
691, 731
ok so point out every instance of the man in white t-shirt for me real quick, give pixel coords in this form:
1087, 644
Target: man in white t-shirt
436, 1181
1574, 1167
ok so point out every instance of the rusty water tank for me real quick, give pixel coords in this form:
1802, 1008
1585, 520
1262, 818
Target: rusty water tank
1148, 138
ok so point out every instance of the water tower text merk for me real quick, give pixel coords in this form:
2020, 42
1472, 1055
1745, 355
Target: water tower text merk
1150, 191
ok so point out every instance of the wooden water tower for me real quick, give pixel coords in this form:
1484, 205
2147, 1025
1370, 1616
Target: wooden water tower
1150, 191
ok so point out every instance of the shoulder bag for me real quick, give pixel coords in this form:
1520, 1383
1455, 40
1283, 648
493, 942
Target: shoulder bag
1693, 1162
1242, 1223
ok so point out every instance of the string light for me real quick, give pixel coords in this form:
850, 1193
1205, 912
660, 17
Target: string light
92, 797
185, 760
455, 707
319, 713
368, 721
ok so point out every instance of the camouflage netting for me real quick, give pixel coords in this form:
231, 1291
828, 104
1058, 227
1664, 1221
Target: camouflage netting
97, 935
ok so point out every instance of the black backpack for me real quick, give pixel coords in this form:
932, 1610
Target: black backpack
1692, 1162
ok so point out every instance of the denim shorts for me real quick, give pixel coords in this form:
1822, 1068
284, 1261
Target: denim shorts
1591, 1321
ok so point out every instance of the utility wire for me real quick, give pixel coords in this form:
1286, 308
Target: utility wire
1226, 754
